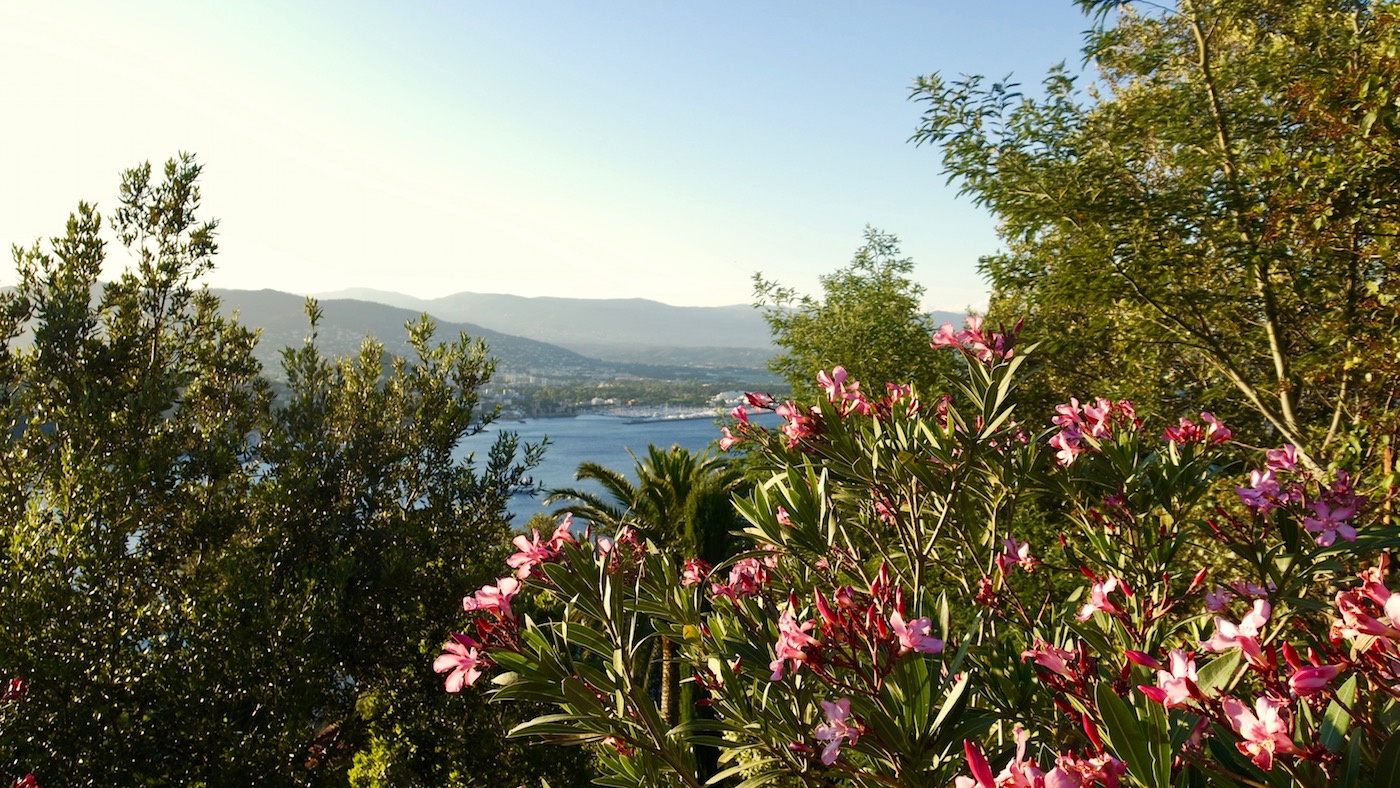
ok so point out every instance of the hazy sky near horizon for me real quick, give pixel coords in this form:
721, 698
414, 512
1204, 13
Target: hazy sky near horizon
656, 149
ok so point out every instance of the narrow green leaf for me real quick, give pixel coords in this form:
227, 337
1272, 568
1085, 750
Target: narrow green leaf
1125, 734
1336, 719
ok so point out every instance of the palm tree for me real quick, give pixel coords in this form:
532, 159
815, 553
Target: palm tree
681, 502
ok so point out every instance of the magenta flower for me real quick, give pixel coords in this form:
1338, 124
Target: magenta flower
1313, 679
977, 764
1016, 553
1216, 432
729, 441
837, 729
564, 533
1245, 636
695, 572
1330, 522
493, 599
1284, 459
1099, 601
915, 636
835, 383
460, 663
1217, 599
531, 552
792, 639
1052, 658
1186, 431
784, 518
1174, 686
1264, 732
1020, 773
740, 413
1263, 491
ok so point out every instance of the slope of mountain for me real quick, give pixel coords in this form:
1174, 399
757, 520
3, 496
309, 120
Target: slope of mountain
602, 327
345, 322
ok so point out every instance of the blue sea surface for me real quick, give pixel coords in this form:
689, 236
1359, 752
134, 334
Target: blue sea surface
601, 439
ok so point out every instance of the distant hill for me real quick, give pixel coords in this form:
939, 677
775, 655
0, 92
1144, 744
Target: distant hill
614, 329
346, 322
598, 324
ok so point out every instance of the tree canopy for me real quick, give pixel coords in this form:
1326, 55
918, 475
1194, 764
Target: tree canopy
1210, 222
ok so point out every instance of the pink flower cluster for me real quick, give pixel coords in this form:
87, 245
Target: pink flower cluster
837, 730
1080, 424
532, 552
1188, 431
848, 398
1070, 771
1369, 617
856, 627
1281, 484
976, 343
495, 626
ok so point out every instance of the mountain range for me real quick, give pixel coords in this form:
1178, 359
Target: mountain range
554, 337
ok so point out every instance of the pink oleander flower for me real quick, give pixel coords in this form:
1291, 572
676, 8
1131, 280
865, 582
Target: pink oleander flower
1251, 590
1052, 658
1073, 772
977, 764
799, 425
837, 729
1312, 679
1264, 732
784, 518
695, 572
623, 748
1244, 636
747, 576
1068, 443
792, 639
1217, 599
1174, 686
1370, 609
834, 383
460, 663
1186, 431
531, 552
493, 599
1283, 459
1329, 522
759, 401
564, 533
729, 439
1015, 553
740, 414
1021, 773
1216, 432
1099, 601
1263, 492
1098, 418
915, 636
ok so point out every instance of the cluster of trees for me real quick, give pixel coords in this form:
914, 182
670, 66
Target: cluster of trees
1206, 228
202, 588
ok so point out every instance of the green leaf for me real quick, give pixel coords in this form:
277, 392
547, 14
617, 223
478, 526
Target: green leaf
1388, 764
1336, 719
1125, 734
1214, 677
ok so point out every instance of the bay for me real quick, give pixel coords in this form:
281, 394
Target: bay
593, 438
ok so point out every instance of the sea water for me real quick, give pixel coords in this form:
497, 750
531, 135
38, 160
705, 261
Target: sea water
605, 440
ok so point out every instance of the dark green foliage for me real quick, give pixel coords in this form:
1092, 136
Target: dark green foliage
201, 587
1212, 226
868, 320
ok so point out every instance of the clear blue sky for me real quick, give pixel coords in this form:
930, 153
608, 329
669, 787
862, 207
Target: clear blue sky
654, 149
